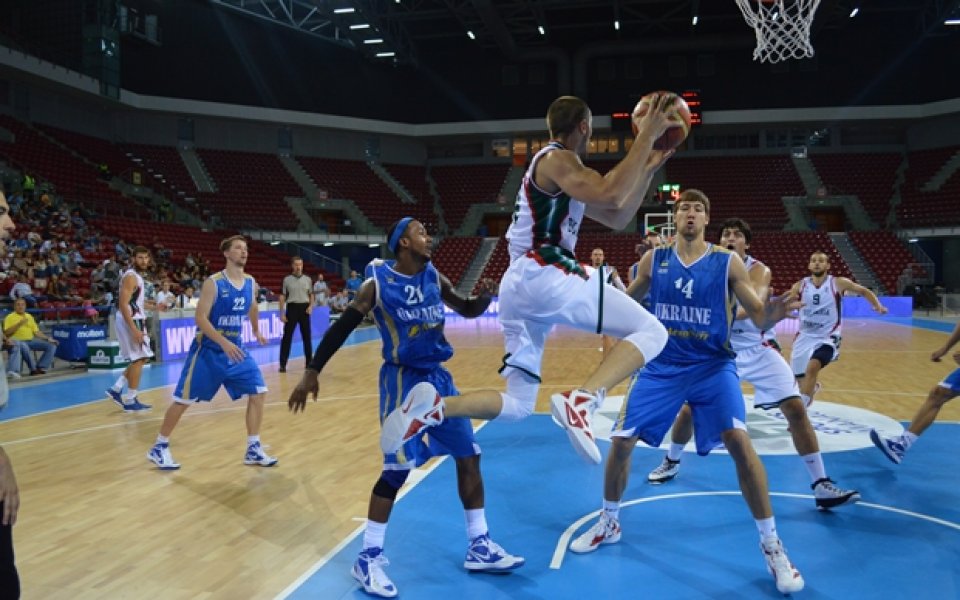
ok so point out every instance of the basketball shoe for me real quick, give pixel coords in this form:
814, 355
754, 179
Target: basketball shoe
256, 456
486, 555
422, 407
160, 455
574, 411
134, 405
368, 571
605, 531
892, 448
828, 495
786, 576
667, 470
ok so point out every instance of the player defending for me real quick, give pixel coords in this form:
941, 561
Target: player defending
894, 448
692, 285
131, 318
545, 285
216, 356
759, 362
407, 298
817, 343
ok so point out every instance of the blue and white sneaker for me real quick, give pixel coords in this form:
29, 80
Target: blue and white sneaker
160, 455
256, 456
117, 397
368, 571
892, 448
134, 405
486, 555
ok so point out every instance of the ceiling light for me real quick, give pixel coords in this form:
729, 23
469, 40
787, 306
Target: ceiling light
541, 30
385, 54
616, 24
360, 26
695, 19
854, 12
373, 41
952, 22
344, 11
373, 245
470, 35
327, 244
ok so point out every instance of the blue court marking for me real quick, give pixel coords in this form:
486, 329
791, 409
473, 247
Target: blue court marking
30, 399
689, 546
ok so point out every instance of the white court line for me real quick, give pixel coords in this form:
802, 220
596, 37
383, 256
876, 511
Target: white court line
564, 542
415, 478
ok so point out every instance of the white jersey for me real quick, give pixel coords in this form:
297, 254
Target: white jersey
546, 224
137, 297
744, 334
820, 315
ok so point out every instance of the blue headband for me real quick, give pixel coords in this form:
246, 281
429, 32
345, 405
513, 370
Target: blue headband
398, 233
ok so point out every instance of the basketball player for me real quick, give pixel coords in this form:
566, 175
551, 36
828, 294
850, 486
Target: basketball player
817, 342
692, 285
407, 298
9, 490
895, 447
216, 356
759, 362
131, 319
545, 285
611, 277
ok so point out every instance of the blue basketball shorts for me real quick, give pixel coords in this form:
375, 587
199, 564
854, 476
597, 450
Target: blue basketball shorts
952, 381
206, 369
453, 436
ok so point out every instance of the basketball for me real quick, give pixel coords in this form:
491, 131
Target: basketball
679, 115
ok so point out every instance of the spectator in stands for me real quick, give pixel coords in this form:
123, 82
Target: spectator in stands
29, 187
339, 302
353, 285
321, 292
121, 251
111, 275
20, 327
189, 262
186, 298
165, 298
77, 220
21, 290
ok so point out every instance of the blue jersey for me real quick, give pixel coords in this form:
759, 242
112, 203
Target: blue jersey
229, 309
695, 304
409, 315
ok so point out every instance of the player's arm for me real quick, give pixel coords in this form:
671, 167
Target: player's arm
469, 306
616, 282
253, 315
845, 285
623, 214
332, 340
951, 342
127, 286
641, 284
763, 314
760, 280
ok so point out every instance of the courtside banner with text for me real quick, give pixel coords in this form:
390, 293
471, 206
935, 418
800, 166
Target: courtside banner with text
176, 335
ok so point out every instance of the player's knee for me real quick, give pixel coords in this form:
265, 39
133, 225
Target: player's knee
390, 483
516, 409
650, 340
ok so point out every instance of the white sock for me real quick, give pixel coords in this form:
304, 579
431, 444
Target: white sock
675, 452
373, 534
119, 384
766, 527
253, 439
908, 438
814, 464
611, 509
476, 522
806, 399
162, 439
129, 395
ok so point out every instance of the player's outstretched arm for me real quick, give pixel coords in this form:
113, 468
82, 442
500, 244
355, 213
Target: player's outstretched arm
332, 341
470, 306
845, 285
951, 342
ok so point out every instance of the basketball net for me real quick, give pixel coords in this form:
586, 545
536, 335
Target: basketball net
782, 26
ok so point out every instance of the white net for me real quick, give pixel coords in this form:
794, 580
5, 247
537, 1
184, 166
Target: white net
782, 26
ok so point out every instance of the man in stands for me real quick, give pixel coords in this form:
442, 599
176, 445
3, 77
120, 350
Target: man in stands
21, 328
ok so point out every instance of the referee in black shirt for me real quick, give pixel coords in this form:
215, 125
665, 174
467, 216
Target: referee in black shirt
296, 296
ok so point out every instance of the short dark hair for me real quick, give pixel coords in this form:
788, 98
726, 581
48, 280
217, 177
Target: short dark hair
564, 114
294, 259
225, 244
693, 195
139, 250
740, 225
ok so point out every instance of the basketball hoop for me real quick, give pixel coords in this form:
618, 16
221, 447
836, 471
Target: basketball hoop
782, 26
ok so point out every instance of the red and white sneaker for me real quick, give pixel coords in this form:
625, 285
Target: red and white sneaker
786, 576
421, 408
574, 412
604, 531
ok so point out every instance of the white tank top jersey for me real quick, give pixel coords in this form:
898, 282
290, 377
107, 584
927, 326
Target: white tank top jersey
820, 314
541, 219
744, 333
137, 297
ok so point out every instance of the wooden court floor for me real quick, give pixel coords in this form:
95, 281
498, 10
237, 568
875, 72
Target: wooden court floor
98, 521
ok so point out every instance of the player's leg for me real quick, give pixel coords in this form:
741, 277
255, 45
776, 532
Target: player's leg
895, 447
368, 568
124, 390
680, 434
244, 379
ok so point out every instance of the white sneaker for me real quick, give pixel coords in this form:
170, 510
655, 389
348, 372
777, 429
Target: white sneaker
828, 495
486, 555
368, 571
574, 411
786, 576
256, 456
666, 471
160, 455
13, 375
421, 408
604, 531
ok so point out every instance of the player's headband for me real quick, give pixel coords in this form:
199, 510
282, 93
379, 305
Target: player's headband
398, 233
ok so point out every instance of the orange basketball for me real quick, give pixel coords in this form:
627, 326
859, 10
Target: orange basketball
679, 115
